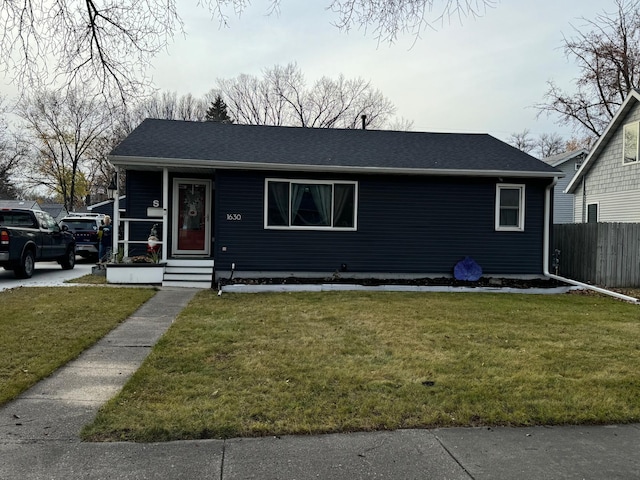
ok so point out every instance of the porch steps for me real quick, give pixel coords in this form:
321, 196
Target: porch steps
188, 273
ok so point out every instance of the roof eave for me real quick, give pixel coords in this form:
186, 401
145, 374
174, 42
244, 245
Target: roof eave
634, 95
570, 156
123, 161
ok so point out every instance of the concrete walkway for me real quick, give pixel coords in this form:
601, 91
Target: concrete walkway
39, 435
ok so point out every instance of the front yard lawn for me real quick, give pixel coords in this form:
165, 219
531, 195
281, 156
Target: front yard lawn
43, 328
302, 363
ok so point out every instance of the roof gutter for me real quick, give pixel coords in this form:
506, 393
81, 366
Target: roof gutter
123, 161
546, 256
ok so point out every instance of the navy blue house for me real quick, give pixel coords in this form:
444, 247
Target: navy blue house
280, 201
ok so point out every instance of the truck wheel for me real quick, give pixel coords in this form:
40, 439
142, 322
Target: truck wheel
69, 260
26, 266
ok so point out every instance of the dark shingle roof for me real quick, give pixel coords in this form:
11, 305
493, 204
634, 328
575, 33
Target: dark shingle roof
255, 146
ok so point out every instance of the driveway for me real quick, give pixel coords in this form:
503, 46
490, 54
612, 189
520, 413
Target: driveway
47, 274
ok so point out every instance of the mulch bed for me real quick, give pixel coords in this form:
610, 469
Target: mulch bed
429, 282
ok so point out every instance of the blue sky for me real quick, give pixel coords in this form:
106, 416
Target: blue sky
479, 76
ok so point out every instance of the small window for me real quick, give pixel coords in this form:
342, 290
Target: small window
630, 147
578, 165
310, 204
509, 207
592, 213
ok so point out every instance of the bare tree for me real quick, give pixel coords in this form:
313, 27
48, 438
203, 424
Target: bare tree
191, 108
110, 44
167, 106
400, 124
11, 154
254, 101
66, 133
281, 97
550, 144
577, 143
522, 141
388, 19
545, 145
607, 52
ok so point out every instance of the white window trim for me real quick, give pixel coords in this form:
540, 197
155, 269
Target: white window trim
317, 182
636, 125
520, 226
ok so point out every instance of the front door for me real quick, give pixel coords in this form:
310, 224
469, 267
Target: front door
191, 217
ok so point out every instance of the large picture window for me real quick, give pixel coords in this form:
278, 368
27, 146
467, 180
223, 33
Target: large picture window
310, 204
510, 207
630, 147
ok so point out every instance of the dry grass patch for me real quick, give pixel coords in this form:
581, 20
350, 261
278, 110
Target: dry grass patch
43, 328
89, 279
267, 364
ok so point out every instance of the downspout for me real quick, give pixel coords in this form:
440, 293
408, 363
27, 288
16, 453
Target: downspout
546, 247
584, 199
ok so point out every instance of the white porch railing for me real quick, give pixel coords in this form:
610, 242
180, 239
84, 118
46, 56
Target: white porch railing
126, 241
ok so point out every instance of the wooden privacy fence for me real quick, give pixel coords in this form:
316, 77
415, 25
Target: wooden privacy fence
606, 254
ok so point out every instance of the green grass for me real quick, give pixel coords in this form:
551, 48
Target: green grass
89, 279
270, 364
43, 328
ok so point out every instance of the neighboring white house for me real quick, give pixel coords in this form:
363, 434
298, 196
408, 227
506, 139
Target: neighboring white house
607, 186
563, 203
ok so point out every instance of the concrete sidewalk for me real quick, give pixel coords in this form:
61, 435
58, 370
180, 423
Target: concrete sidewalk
39, 434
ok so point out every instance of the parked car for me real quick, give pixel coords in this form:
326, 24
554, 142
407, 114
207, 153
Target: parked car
29, 236
85, 230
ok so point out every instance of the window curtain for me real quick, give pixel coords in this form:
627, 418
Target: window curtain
316, 201
280, 194
321, 195
343, 198
297, 192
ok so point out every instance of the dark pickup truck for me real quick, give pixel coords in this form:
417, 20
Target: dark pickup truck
29, 236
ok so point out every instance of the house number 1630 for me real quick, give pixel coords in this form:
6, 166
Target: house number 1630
234, 217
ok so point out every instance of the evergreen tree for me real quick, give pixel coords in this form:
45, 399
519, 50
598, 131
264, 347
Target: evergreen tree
217, 112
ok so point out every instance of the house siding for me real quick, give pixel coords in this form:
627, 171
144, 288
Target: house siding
563, 203
617, 207
406, 225
144, 187
616, 187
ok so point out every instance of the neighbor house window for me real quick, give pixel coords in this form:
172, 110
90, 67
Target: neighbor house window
310, 204
592, 213
509, 207
630, 143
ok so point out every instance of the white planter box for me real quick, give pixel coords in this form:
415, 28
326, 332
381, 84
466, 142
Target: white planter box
144, 273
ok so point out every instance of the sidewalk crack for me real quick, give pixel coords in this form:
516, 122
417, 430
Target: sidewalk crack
455, 459
224, 449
